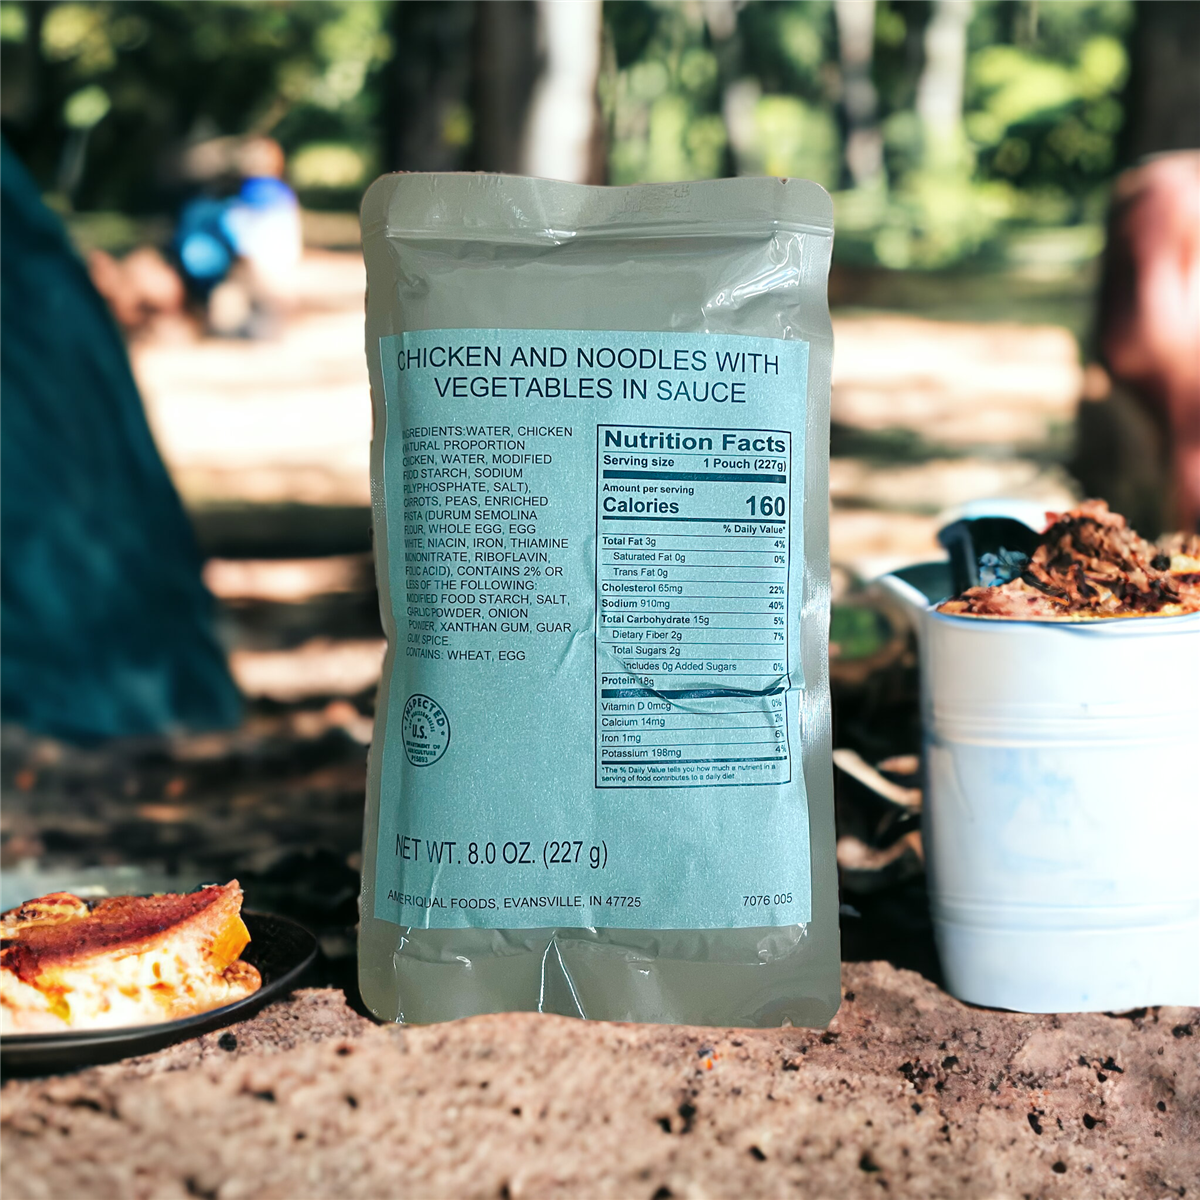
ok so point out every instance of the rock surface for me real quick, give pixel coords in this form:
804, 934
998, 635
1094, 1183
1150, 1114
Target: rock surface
908, 1094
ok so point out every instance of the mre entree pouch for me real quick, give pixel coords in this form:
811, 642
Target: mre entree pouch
600, 783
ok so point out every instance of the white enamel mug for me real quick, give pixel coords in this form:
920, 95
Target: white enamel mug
1062, 805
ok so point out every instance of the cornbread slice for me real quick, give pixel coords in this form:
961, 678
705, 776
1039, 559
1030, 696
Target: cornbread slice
128, 960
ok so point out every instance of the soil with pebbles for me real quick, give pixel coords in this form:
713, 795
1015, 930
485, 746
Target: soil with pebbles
908, 1094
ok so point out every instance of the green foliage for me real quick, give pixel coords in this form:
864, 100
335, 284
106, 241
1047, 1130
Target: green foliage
787, 47
857, 631
791, 137
1048, 125
99, 94
1042, 111
663, 96
686, 100
140, 78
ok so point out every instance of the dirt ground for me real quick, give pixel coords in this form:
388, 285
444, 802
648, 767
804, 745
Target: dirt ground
908, 1094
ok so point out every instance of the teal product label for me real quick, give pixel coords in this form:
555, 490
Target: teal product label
595, 558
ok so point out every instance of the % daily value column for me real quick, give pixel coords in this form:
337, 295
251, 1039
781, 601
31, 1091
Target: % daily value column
693, 546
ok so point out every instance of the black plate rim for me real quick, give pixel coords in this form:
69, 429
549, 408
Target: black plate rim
20, 1046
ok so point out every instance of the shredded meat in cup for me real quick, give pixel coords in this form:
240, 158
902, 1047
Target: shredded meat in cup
1092, 565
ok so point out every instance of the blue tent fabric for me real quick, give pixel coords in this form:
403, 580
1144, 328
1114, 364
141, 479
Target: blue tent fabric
106, 628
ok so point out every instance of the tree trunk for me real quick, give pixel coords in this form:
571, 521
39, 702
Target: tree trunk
721, 17
862, 156
505, 66
940, 88
427, 114
1163, 95
33, 132
563, 137
497, 85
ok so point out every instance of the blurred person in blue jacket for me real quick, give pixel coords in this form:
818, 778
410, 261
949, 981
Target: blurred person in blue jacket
105, 626
238, 253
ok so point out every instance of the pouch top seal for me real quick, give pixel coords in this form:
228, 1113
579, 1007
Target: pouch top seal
521, 209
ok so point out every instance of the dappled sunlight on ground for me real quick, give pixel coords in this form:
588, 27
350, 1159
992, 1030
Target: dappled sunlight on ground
287, 580
955, 384
276, 420
322, 666
927, 414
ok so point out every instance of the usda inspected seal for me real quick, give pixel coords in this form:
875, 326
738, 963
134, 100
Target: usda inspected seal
425, 729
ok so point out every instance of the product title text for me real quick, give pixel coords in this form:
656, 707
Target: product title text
552, 372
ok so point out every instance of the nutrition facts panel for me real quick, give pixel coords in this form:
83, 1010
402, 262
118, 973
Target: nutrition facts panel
693, 546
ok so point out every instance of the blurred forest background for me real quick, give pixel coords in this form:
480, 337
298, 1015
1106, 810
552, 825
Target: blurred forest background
945, 129
970, 146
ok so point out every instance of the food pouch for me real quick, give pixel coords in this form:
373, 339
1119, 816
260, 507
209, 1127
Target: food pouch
600, 783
